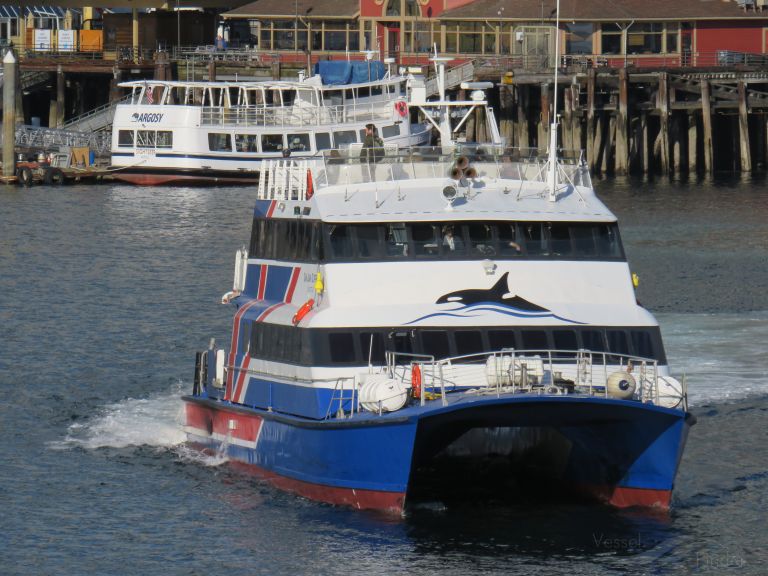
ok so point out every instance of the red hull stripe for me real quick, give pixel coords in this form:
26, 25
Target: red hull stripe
269, 311
221, 424
262, 281
389, 502
271, 208
292, 284
241, 379
233, 345
626, 497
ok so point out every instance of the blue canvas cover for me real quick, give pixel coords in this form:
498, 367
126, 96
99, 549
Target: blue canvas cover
334, 72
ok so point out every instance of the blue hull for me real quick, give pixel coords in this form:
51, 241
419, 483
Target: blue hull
623, 452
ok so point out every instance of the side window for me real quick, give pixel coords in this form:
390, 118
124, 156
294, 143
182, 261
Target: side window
368, 242
593, 340
468, 342
164, 139
481, 239
298, 142
453, 240
372, 347
344, 137
565, 340
534, 339
246, 142
341, 241
499, 339
509, 242
425, 239
559, 239
641, 342
535, 241
145, 138
608, 243
435, 343
390, 131
219, 142
401, 342
271, 142
617, 342
583, 240
396, 240
125, 138
342, 347
323, 141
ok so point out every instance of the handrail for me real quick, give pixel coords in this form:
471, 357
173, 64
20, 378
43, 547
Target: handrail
76, 119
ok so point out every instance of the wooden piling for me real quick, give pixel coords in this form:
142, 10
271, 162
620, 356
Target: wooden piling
591, 135
693, 141
544, 120
9, 114
61, 85
523, 105
663, 106
746, 157
706, 125
567, 123
622, 125
576, 118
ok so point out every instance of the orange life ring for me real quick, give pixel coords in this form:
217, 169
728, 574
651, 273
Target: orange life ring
416, 381
310, 187
303, 311
401, 108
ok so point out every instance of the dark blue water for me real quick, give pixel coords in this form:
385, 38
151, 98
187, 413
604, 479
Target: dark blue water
107, 291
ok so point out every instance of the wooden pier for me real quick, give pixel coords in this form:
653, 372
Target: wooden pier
627, 121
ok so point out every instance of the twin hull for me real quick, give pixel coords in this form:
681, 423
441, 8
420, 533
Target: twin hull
622, 452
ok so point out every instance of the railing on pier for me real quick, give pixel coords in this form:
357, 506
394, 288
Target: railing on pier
50, 138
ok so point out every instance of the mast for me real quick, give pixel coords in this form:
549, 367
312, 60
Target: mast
552, 178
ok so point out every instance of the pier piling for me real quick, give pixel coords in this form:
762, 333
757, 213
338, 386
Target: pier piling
9, 114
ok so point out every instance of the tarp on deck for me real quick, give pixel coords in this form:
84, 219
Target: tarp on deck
335, 72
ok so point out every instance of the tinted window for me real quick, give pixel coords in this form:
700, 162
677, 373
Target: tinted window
499, 339
481, 239
342, 347
509, 243
390, 131
468, 342
453, 240
617, 342
560, 239
271, 142
535, 241
435, 343
125, 138
298, 142
344, 137
534, 339
372, 346
583, 239
164, 139
593, 340
607, 240
341, 240
323, 141
425, 239
564, 340
246, 142
145, 138
396, 240
368, 242
219, 142
641, 342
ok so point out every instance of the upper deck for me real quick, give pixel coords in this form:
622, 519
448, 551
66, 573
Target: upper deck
430, 184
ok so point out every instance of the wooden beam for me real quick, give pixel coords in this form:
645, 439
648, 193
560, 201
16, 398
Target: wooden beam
591, 145
706, 124
622, 125
746, 158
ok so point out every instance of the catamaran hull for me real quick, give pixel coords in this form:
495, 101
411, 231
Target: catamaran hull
622, 453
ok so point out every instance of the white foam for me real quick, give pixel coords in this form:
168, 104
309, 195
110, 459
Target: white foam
153, 421
722, 355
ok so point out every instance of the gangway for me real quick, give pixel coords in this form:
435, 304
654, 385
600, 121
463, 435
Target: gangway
453, 77
52, 138
97, 119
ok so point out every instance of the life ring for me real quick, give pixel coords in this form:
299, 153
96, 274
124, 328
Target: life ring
415, 381
401, 108
24, 176
303, 311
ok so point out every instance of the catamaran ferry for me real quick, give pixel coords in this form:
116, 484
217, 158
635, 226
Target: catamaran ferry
439, 310
171, 132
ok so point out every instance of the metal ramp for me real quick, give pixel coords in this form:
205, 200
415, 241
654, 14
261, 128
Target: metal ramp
50, 138
97, 119
453, 77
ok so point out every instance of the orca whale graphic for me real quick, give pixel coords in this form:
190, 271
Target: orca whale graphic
498, 294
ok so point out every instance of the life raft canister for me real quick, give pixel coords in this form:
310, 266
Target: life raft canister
401, 108
415, 381
303, 311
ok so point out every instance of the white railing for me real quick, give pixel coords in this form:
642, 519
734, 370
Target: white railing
297, 115
284, 180
351, 166
541, 372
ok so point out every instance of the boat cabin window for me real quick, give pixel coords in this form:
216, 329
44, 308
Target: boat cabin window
390, 131
344, 138
271, 142
125, 138
164, 139
145, 138
329, 347
426, 239
246, 142
369, 242
218, 142
340, 236
306, 97
323, 141
593, 340
298, 142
